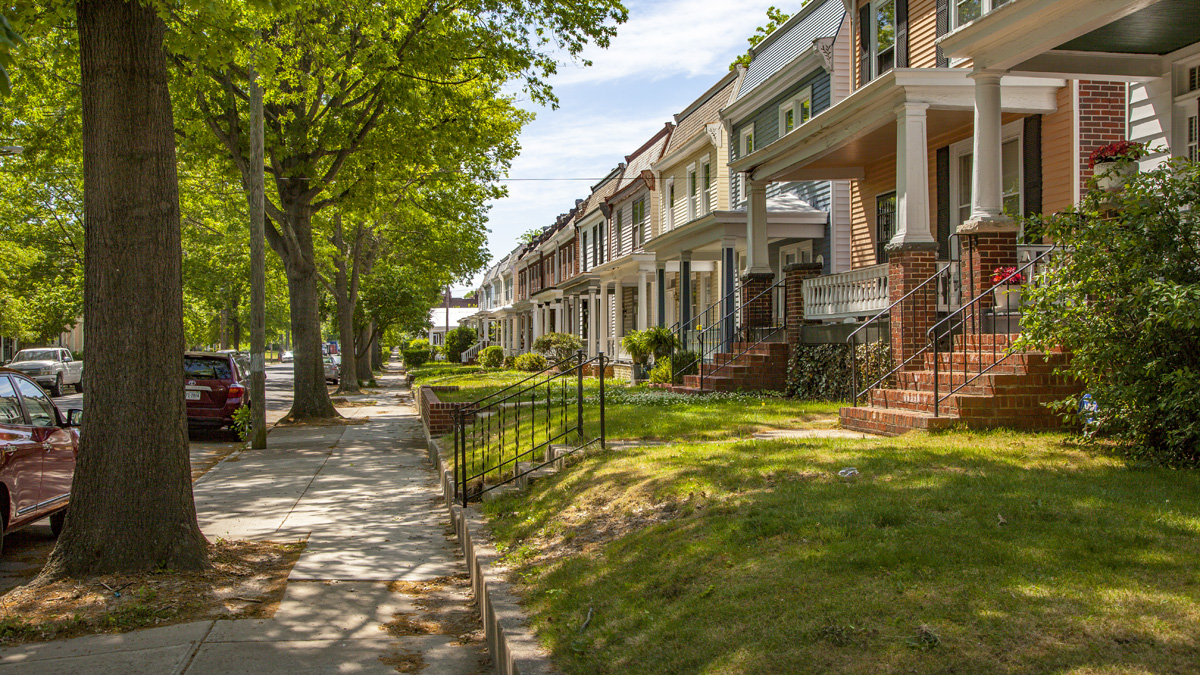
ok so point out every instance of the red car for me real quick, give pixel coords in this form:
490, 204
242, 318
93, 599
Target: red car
215, 386
39, 448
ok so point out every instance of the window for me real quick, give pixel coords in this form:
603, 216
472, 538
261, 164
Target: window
795, 112
670, 219
37, 404
706, 200
10, 405
746, 147
795, 253
966, 11
1193, 137
620, 235
961, 166
1193, 78
639, 222
584, 248
883, 37
885, 224
693, 200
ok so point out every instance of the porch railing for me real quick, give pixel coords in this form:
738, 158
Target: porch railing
525, 426
860, 292
731, 336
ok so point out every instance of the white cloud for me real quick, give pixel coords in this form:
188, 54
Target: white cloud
668, 38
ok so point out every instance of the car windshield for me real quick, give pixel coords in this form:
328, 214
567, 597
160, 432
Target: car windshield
206, 368
36, 355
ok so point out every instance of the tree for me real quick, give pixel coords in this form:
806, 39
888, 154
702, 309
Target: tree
1122, 299
9, 40
131, 498
337, 75
775, 19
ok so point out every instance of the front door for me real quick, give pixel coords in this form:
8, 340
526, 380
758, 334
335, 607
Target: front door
22, 457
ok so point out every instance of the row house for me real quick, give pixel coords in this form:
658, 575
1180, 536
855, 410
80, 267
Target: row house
861, 179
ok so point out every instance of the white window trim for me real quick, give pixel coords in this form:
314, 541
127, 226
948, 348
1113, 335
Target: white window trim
986, 6
794, 106
744, 148
966, 147
800, 249
691, 180
705, 194
875, 36
668, 206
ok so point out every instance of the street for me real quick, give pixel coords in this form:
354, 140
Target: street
26, 550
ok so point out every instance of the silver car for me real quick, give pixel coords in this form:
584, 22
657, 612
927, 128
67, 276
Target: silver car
333, 369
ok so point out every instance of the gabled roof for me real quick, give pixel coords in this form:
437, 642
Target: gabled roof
704, 110
818, 19
643, 158
600, 192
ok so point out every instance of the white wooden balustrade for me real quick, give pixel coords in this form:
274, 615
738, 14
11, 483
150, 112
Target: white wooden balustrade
860, 292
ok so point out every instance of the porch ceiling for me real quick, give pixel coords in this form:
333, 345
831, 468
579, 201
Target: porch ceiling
705, 236
1021, 30
861, 129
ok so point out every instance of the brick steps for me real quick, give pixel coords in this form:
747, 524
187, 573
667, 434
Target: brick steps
762, 367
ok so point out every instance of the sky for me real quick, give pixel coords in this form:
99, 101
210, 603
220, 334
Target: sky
665, 56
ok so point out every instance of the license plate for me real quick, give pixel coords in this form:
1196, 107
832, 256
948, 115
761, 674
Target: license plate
193, 395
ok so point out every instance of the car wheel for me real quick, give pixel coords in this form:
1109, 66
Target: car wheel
56, 389
79, 386
56, 522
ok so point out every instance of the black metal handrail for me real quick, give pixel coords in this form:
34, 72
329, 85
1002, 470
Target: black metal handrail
716, 337
968, 314
497, 443
703, 319
918, 299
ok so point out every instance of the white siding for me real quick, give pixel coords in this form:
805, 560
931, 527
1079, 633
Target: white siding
1149, 117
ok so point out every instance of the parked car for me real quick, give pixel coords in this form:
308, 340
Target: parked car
286, 357
333, 369
51, 367
38, 447
215, 386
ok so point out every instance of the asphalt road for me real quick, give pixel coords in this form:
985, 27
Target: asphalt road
26, 550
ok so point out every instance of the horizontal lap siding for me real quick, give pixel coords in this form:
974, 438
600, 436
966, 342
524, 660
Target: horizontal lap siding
1058, 163
922, 32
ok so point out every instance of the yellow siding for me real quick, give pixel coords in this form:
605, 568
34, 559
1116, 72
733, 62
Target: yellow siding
922, 31
1058, 165
718, 194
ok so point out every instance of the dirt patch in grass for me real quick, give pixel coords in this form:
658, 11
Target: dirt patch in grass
247, 582
323, 422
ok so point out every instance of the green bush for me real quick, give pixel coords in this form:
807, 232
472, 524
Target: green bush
418, 343
659, 341
557, 346
1123, 301
665, 365
530, 363
509, 362
822, 372
415, 358
661, 372
458, 341
491, 357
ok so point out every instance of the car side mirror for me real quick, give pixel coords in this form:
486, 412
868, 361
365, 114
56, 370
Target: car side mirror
74, 417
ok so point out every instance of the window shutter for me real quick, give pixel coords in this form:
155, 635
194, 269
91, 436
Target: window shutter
901, 33
943, 27
864, 42
1033, 164
943, 202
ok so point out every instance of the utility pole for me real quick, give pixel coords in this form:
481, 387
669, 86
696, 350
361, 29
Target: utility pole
258, 277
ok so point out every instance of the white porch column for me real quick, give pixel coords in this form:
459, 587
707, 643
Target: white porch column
604, 318
912, 177
593, 323
537, 323
618, 315
757, 260
987, 189
643, 321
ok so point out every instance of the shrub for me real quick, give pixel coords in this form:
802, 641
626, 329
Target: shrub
822, 372
664, 366
1123, 302
509, 361
635, 346
557, 346
415, 358
491, 357
458, 341
418, 343
530, 363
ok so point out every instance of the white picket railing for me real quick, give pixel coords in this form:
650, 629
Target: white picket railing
860, 292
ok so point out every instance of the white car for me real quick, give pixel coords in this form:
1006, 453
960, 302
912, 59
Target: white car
286, 357
51, 367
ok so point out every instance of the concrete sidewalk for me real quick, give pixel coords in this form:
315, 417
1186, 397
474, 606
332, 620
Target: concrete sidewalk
367, 500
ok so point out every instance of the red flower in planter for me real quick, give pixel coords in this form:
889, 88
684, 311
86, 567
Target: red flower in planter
1117, 151
1007, 275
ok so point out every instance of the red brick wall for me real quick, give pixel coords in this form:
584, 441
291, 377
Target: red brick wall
910, 321
756, 312
1101, 120
796, 274
988, 251
437, 415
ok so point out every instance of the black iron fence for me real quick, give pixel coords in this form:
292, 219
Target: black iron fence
525, 426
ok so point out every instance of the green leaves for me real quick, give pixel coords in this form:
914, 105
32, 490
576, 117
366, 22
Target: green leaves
10, 39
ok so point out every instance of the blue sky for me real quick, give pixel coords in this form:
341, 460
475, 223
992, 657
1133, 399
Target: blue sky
663, 58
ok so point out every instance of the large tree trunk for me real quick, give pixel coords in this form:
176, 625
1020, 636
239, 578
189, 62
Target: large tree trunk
131, 498
310, 398
345, 291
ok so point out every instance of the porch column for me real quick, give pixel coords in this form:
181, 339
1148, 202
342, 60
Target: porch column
992, 236
660, 292
618, 316
643, 321
685, 295
757, 260
593, 328
728, 288
912, 178
537, 323
603, 318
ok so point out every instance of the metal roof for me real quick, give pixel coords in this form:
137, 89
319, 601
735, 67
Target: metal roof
817, 20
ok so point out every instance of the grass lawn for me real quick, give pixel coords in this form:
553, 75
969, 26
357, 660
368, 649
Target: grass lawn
952, 553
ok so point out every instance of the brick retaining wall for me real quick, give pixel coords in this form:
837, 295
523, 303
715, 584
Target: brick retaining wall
436, 414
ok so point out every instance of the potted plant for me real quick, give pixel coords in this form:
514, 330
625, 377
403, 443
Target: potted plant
660, 342
635, 346
1113, 164
1006, 289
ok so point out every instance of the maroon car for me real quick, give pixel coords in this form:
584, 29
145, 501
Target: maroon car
39, 448
215, 386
